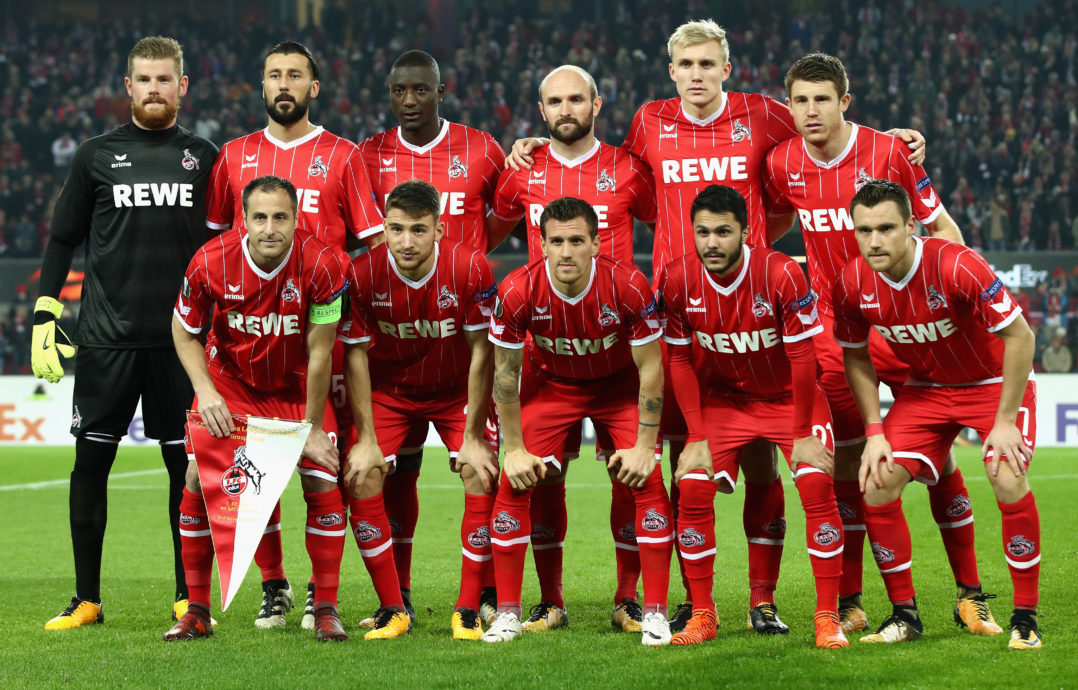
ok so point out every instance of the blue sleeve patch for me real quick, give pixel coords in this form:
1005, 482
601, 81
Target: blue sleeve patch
988, 294
805, 301
648, 310
484, 295
338, 293
923, 182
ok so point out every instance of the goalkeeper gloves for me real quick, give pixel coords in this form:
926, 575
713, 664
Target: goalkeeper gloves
45, 350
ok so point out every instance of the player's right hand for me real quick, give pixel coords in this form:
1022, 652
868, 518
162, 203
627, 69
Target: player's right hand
519, 157
364, 459
214, 413
476, 453
877, 451
320, 449
695, 457
45, 349
811, 451
523, 470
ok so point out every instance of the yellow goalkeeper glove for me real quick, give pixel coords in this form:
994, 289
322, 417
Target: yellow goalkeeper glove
45, 350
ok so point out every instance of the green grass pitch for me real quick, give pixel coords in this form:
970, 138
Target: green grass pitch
36, 582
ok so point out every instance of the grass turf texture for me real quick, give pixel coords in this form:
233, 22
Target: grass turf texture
37, 581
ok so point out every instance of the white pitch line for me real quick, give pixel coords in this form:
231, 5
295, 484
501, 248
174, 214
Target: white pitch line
64, 482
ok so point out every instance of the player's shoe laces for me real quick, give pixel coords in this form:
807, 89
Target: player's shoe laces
327, 625
488, 605
851, 613
406, 599
505, 628
194, 624
703, 626
466, 624
655, 630
545, 616
308, 609
1024, 631
277, 600
972, 612
79, 612
900, 626
627, 616
180, 608
829, 631
390, 623
681, 616
765, 620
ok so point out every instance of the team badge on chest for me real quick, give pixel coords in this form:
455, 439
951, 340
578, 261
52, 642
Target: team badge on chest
318, 168
606, 182
457, 169
760, 306
189, 162
607, 316
740, 132
446, 299
290, 293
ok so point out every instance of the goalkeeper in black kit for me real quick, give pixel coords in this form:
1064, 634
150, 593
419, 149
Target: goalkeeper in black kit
137, 197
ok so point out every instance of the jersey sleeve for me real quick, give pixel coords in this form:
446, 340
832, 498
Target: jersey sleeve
493, 164
508, 203
800, 318
671, 304
361, 210
851, 328
74, 207
775, 198
636, 141
779, 121
483, 291
924, 200
509, 319
355, 326
640, 310
642, 187
328, 280
194, 305
984, 291
220, 202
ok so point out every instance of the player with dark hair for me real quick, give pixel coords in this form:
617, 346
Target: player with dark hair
137, 197
739, 323
593, 352
948, 316
267, 272
417, 353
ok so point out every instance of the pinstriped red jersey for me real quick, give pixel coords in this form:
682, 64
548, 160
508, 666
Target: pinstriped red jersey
616, 184
585, 337
739, 327
335, 195
686, 155
821, 194
462, 162
939, 318
259, 318
416, 328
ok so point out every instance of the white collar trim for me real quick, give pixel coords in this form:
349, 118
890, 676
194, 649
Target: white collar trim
726, 290
434, 142
317, 131
258, 271
576, 161
839, 158
901, 285
710, 118
408, 281
564, 297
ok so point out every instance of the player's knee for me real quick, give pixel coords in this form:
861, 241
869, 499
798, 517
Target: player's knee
1007, 486
315, 485
191, 478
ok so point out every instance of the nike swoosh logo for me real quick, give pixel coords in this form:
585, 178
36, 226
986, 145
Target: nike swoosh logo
45, 345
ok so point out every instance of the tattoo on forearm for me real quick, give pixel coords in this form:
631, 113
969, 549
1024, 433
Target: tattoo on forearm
507, 365
646, 424
652, 405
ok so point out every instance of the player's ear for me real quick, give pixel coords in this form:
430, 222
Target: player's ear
314, 88
727, 69
671, 66
844, 102
183, 86
127, 84
596, 105
439, 230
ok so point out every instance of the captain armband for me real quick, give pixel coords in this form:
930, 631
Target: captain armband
325, 313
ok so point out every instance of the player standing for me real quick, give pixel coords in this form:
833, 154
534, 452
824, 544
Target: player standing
817, 174
948, 316
590, 319
137, 196
744, 318
335, 199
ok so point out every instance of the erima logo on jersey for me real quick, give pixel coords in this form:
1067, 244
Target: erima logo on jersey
121, 161
739, 342
825, 219
538, 177
270, 324
249, 161
541, 313
917, 332
669, 132
695, 305
387, 165
153, 194
576, 346
795, 180
713, 169
420, 328
869, 301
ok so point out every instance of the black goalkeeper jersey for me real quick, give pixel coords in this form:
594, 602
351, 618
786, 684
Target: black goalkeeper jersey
138, 198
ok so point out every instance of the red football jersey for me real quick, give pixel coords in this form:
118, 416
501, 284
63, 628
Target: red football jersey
416, 327
939, 318
259, 323
616, 184
331, 181
584, 337
821, 194
686, 155
737, 330
463, 163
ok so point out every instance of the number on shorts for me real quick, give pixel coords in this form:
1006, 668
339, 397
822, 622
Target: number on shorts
822, 431
339, 395
1023, 417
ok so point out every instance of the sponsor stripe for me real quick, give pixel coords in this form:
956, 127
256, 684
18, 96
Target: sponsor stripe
475, 557
367, 553
627, 547
825, 554
1023, 565
510, 542
194, 532
547, 547
697, 556
767, 542
952, 525
270, 529
897, 569
655, 540
326, 532
402, 540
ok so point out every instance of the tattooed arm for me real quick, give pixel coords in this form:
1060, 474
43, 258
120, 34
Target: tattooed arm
637, 463
522, 469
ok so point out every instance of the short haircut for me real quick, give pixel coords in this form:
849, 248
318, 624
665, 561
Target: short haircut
818, 67
293, 48
875, 192
268, 184
717, 198
572, 68
156, 48
697, 32
418, 58
416, 198
569, 208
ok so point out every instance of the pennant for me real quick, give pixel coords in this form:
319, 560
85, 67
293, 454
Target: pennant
243, 477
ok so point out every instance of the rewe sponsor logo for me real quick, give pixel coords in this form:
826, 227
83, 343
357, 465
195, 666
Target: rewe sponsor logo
420, 328
576, 346
270, 324
739, 342
153, 194
713, 169
825, 219
917, 332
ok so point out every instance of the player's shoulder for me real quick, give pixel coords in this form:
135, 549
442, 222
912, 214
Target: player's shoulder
189, 139
223, 248
523, 277
777, 154
376, 141
662, 106
256, 138
363, 264
456, 130
620, 271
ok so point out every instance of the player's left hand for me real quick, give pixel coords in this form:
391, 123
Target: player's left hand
634, 465
877, 452
320, 449
811, 451
1006, 440
364, 458
519, 157
477, 454
915, 141
45, 348
695, 457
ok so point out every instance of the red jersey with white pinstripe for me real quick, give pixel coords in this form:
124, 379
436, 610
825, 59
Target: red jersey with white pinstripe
335, 195
585, 337
686, 155
462, 162
821, 194
738, 326
416, 327
616, 184
259, 326
939, 318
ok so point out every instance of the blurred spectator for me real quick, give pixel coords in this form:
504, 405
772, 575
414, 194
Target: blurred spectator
63, 150
1057, 358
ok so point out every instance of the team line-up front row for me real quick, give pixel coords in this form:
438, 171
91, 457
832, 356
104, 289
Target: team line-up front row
576, 334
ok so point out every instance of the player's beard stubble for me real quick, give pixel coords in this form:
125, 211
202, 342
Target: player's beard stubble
573, 135
157, 119
291, 116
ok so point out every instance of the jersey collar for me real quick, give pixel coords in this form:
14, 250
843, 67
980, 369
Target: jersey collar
576, 161
563, 297
408, 281
434, 142
313, 134
901, 285
258, 271
839, 158
726, 290
710, 118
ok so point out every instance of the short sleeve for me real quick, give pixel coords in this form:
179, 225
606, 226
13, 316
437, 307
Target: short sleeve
989, 299
483, 291
508, 203
361, 210
509, 318
355, 326
851, 328
194, 305
800, 317
671, 304
220, 202
640, 311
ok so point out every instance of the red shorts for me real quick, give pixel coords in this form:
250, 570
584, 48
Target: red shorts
552, 408
396, 417
849, 429
287, 403
924, 421
733, 424
532, 376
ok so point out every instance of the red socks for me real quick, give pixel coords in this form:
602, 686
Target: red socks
325, 543
890, 537
655, 539
475, 548
268, 555
765, 529
196, 547
510, 532
548, 522
371, 529
402, 508
953, 513
1022, 548
851, 508
626, 551
823, 533
696, 536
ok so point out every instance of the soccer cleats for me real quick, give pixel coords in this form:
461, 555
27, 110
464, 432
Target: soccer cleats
1024, 631
406, 599
327, 625
972, 612
193, 624
901, 626
627, 616
765, 620
277, 600
702, 626
488, 605
307, 623
505, 628
655, 630
180, 608
851, 614
545, 616
78, 613
389, 624
681, 616
829, 631
466, 624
